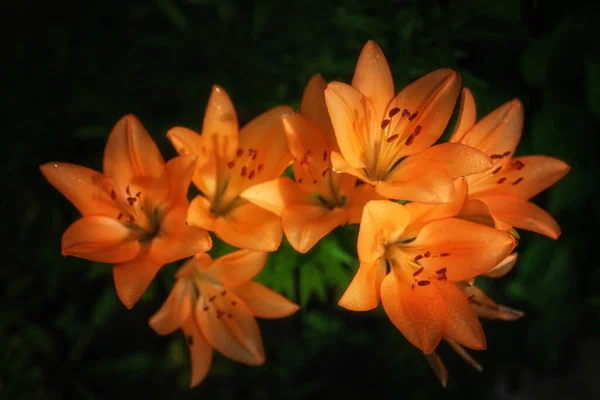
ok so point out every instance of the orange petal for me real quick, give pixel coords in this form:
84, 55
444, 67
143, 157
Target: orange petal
199, 214
100, 238
305, 225
276, 195
303, 135
314, 108
264, 302
466, 116
487, 308
230, 329
188, 142
421, 214
504, 267
132, 278
220, 124
354, 120
458, 160
522, 214
176, 240
238, 267
476, 211
373, 78
357, 198
176, 310
499, 131
180, 171
470, 249
418, 312
339, 165
383, 222
537, 174
438, 367
363, 293
87, 189
250, 227
461, 324
433, 96
201, 353
418, 179
131, 153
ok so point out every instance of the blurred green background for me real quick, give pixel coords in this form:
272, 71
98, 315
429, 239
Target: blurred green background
72, 70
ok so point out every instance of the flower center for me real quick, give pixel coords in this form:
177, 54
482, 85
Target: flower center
408, 266
136, 213
505, 172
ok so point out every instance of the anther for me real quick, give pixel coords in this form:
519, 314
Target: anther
131, 200
413, 116
300, 180
418, 272
233, 302
496, 170
260, 168
240, 152
385, 123
417, 257
517, 181
138, 194
314, 181
205, 308
251, 175
444, 254
417, 130
212, 298
392, 138
506, 153
252, 153
423, 283
496, 156
113, 195
518, 165
244, 171
230, 164
324, 172
325, 155
127, 191
501, 180
229, 315
120, 215
224, 292
410, 139
441, 271
393, 112
220, 313
405, 113
427, 254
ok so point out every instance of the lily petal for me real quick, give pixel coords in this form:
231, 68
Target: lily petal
469, 249
314, 108
383, 222
176, 239
220, 124
199, 214
464, 355
353, 117
363, 293
504, 267
357, 198
131, 154
230, 329
264, 302
85, 188
340, 165
466, 117
476, 211
522, 214
201, 353
180, 171
373, 78
176, 310
487, 308
458, 159
132, 278
438, 367
276, 195
461, 324
417, 179
432, 97
100, 238
418, 313
250, 227
238, 267
499, 131
305, 225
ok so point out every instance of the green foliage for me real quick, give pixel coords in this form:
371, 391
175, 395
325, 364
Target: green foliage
72, 72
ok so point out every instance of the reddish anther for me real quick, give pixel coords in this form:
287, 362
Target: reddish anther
418, 257
417, 130
392, 138
518, 165
501, 180
517, 181
410, 139
385, 123
240, 152
427, 254
230, 164
418, 272
393, 112
244, 171
496, 170
251, 174
413, 116
423, 283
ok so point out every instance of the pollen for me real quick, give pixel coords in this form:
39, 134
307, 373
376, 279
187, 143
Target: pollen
427, 254
418, 129
260, 168
410, 139
385, 123
496, 170
251, 175
518, 165
230, 164
240, 152
517, 181
418, 272
423, 283
392, 138
244, 171
417, 257
393, 112
501, 180
413, 116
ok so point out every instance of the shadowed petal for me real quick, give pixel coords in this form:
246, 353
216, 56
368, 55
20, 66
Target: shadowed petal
176, 310
464, 355
264, 302
476, 211
199, 214
466, 116
85, 188
132, 278
503, 268
305, 225
487, 308
238, 267
458, 160
220, 124
357, 198
372, 77
314, 108
418, 312
100, 238
180, 171
201, 353
438, 367
363, 293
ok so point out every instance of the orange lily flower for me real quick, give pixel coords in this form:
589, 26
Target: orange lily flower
134, 213
426, 253
484, 307
318, 200
504, 190
214, 303
386, 140
231, 162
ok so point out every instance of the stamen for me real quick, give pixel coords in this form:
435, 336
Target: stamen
517, 181
325, 155
224, 292
405, 113
229, 315
393, 112
300, 180
120, 216
260, 168
244, 171
392, 138
231, 164
518, 165
127, 191
497, 170
240, 152
251, 175
441, 271
417, 130
444, 254
205, 308
113, 195
418, 272
325, 172
501, 180
385, 123
496, 156
427, 254
138, 194
413, 116
506, 153
233, 302
252, 153
417, 258
212, 298
410, 139
423, 283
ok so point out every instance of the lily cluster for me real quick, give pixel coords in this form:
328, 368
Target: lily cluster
432, 217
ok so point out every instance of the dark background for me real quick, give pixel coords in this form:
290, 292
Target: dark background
71, 71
